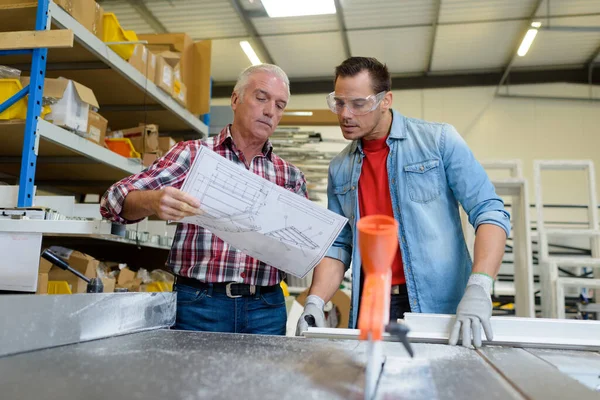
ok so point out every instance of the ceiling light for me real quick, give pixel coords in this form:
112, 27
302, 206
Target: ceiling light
250, 53
297, 8
528, 39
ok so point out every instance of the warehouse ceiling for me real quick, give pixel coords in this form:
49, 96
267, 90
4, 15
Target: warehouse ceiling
425, 43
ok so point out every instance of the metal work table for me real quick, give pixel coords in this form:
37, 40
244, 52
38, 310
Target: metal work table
128, 353
182, 365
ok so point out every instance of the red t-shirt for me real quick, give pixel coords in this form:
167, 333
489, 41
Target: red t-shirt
374, 195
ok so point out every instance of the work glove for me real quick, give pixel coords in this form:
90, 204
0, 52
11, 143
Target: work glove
313, 315
474, 311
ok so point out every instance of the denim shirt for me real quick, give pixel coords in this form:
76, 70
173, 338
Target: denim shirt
430, 171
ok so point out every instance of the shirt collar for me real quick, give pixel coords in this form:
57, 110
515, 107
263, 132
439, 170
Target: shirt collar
398, 131
224, 137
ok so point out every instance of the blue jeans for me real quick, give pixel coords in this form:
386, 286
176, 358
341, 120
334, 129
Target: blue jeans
205, 310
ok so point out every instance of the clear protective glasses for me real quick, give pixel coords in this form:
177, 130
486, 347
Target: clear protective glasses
356, 105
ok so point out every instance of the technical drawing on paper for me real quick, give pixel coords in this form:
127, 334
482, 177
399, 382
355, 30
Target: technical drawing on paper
245, 199
291, 235
300, 206
259, 218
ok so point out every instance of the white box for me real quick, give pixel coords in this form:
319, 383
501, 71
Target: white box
72, 103
20, 261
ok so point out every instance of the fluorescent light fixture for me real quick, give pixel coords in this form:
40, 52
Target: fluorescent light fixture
250, 53
298, 8
299, 113
528, 39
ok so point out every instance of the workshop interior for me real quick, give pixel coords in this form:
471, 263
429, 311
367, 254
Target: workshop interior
299, 199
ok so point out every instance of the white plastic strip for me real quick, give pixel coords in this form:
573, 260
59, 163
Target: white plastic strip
508, 331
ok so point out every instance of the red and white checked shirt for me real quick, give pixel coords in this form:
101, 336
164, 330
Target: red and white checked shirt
197, 253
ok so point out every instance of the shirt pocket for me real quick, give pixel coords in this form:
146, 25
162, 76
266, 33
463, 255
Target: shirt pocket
423, 179
343, 194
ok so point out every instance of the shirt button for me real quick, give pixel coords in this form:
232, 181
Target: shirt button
353, 188
243, 274
393, 181
422, 168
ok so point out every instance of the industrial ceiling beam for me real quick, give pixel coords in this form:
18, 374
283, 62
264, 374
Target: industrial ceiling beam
256, 39
147, 15
434, 26
513, 55
593, 57
258, 14
342, 25
488, 78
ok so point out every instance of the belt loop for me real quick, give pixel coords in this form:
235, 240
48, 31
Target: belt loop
209, 291
257, 292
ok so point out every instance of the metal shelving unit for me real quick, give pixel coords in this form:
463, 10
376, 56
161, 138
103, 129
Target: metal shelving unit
125, 95
44, 155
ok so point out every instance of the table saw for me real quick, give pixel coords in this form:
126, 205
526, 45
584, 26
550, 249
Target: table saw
118, 345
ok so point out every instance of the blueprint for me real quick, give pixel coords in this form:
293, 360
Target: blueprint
259, 218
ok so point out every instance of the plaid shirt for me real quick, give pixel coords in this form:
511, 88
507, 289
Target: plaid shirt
197, 253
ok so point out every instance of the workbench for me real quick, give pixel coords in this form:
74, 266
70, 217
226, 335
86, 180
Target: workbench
139, 358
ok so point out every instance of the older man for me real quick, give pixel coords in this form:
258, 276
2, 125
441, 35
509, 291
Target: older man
219, 288
416, 172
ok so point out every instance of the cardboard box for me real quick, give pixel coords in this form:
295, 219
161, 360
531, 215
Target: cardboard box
98, 28
143, 137
165, 144
173, 59
339, 316
125, 275
180, 93
127, 279
151, 66
149, 158
73, 106
179, 42
109, 284
81, 262
42, 285
84, 11
163, 77
139, 58
97, 126
195, 65
198, 96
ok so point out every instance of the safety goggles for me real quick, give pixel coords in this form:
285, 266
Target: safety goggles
356, 105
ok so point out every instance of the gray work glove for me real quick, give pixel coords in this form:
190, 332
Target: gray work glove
313, 313
473, 312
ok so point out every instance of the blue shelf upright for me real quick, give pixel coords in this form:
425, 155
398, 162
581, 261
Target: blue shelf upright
34, 90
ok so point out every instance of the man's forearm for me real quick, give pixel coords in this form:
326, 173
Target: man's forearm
490, 242
327, 277
138, 205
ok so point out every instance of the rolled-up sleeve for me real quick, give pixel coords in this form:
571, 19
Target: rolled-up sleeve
470, 183
169, 170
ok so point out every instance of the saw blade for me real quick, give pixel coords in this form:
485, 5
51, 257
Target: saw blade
374, 369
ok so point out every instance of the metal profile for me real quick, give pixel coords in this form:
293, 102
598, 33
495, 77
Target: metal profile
508, 331
40, 322
551, 291
521, 232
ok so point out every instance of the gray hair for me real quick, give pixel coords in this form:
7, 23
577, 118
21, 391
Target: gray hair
242, 82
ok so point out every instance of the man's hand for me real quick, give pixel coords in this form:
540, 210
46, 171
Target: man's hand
173, 204
312, 316
474, 311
